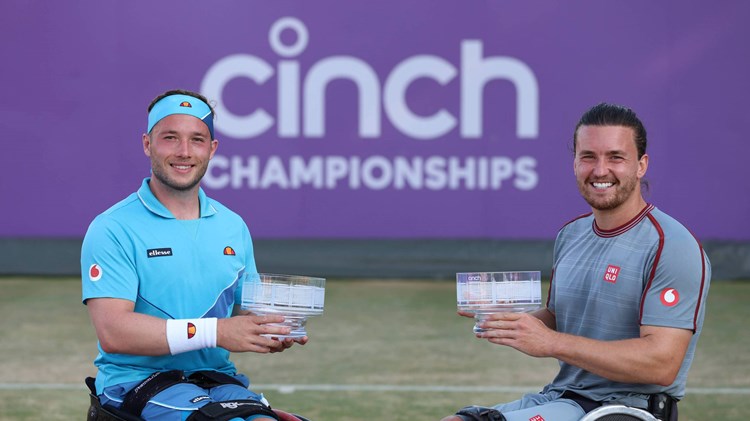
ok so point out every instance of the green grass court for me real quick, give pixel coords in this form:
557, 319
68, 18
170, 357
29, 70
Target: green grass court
383, 350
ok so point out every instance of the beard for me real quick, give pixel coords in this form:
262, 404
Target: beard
160, 173
623, 189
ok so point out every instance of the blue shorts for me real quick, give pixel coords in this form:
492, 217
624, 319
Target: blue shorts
179, 401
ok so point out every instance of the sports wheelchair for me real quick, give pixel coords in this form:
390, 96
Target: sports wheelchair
99, 412
619, 413
661, 407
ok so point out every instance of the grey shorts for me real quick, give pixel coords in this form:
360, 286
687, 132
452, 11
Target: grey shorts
538, 407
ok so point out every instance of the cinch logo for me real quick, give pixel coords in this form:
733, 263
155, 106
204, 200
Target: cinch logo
301, 98
611, 274
159, 252
474, 278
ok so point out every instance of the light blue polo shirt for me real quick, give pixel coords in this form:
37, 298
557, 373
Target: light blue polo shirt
172, 269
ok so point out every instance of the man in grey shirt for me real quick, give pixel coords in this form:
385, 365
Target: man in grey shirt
628, 291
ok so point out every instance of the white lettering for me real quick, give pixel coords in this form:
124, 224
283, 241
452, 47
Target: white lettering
274, 37
459, 172
301, 173
354, 69
526, 176
435, 177
476, 72
336, 169
217, 182
224, 70
501, 168
239, 172
395, 97
274, 173
375, 172
407, 173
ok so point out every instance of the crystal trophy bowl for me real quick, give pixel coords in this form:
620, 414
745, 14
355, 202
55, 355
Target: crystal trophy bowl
293, 296
484, 293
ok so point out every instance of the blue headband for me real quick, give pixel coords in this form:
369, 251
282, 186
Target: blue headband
181, 104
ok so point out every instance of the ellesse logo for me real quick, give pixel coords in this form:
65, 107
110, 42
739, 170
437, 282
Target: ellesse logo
158, 252
191, 330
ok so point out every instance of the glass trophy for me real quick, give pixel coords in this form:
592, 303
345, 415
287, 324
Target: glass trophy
293, 296
484, 293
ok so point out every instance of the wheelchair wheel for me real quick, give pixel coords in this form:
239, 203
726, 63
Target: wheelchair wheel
618, 413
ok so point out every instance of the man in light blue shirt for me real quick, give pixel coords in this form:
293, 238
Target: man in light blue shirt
162, 277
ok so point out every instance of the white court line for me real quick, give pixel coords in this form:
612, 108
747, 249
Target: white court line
291, 388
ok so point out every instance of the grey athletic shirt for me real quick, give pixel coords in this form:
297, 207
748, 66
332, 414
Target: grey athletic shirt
606, 284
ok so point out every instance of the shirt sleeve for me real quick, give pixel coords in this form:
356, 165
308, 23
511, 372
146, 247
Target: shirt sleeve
677, 291
107, 263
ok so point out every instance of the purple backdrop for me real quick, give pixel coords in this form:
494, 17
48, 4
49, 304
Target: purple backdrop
385, 119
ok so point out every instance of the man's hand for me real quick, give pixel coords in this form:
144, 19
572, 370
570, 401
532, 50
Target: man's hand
244, 333
288, 342
466, 314
653, 358
521, 331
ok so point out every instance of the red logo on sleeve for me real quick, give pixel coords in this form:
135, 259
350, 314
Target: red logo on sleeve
669, 297
536, 418
611, 274
95, 272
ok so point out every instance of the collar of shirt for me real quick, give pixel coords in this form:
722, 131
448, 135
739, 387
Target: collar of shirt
155, 206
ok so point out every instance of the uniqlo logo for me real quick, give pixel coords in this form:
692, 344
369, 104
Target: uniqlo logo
611, 274
536, 418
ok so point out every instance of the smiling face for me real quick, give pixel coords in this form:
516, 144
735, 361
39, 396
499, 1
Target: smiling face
180, 147
607, 168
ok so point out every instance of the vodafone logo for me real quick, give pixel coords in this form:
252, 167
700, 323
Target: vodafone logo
670, 297
95, 272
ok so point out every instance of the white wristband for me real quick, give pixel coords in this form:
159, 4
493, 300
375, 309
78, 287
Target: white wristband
191, 334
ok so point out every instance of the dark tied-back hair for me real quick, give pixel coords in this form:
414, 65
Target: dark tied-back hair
614, 115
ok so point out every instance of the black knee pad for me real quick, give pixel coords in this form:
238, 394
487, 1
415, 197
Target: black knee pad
480, 413
224, 411
99, 412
